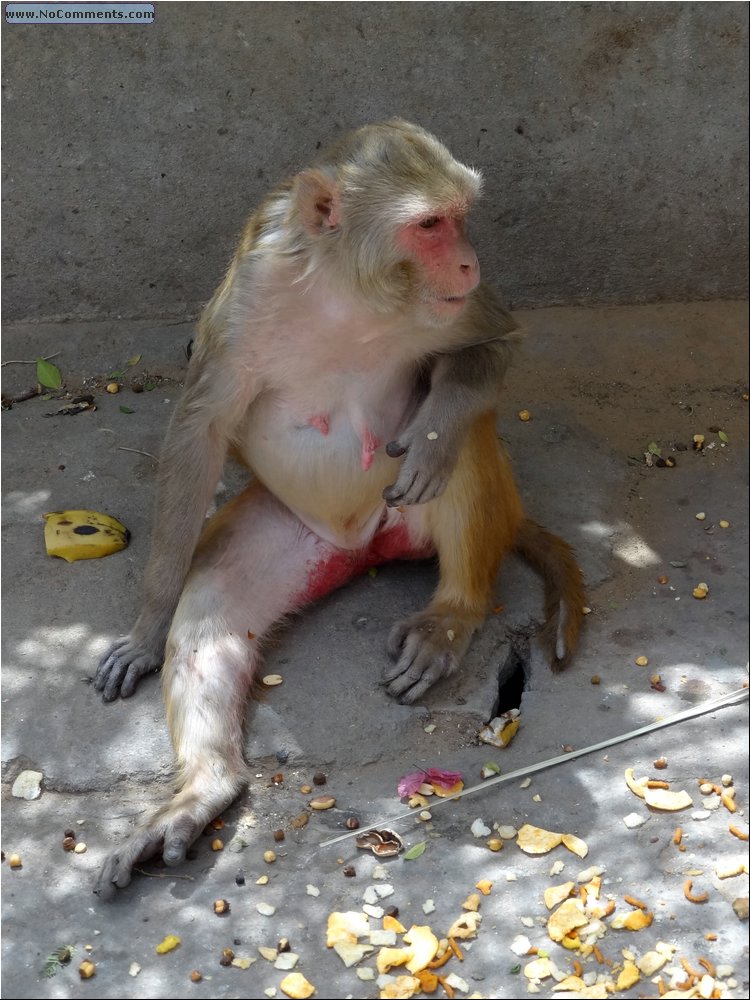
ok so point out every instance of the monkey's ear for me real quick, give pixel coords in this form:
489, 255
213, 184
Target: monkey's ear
317, 201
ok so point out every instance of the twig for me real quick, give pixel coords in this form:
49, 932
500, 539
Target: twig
137, 451
48, 358
189, 878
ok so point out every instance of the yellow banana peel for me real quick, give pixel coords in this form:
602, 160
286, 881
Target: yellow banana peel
83, 534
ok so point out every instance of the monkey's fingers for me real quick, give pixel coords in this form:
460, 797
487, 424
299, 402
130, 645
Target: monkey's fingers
117, 870
395, 449
415, 487
122, 667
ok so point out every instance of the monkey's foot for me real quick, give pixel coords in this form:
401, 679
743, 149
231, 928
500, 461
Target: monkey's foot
169, 833
427, 647
123, 665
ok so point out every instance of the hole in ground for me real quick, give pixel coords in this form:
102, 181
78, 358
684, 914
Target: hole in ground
512, 677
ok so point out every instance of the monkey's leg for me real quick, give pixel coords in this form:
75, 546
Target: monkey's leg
255, 563
473, 525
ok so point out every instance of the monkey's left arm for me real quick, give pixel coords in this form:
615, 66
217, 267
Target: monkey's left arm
463, 385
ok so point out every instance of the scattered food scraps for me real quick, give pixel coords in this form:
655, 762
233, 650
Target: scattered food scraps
446, 781
500, 731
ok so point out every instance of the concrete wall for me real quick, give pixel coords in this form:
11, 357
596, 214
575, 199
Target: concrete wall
612, 136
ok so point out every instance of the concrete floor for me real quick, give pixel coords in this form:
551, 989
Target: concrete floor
601, 385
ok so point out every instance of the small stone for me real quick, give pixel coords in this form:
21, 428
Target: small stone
740, 907
432, 436
350, 871
28, 785
265, 909
80, 848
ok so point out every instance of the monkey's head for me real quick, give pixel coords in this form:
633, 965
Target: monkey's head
384, 210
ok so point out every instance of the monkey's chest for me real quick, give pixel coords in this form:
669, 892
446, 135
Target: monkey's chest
322, 452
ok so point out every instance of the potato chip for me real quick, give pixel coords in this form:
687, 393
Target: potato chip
401, 988
575, 844
566, 918
424, 946
466, 926
556, 894
661, 798
534, 840
346, 927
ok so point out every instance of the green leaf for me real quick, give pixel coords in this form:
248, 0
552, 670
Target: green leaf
415, 852
514, 970
654, 449
490, 765
48, 374
126, 409
131, 362
723, 436
148, 386
115, 374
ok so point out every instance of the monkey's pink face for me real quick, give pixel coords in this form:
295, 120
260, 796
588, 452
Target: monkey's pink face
445, 261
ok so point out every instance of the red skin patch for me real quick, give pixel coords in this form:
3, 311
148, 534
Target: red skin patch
341, 565
320, 421
369, 446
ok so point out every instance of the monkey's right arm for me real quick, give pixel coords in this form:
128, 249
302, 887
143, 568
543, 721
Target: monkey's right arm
463, 385
190, 466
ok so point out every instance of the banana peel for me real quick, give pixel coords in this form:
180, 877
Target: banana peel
83, 534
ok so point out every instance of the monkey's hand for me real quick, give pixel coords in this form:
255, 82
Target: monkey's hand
431, 445
128, 659
427, 647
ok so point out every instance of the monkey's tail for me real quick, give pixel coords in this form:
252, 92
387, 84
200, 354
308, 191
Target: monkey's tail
564, 594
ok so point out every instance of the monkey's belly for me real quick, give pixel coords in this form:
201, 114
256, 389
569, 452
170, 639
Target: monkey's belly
330, 478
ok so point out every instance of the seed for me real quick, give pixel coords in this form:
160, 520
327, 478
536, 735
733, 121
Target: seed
269, 857
70, 833
596, 679
278, 836
701, 591
352, 823
660, 763
283, 945
217, 844
239, 879
723, 524
221, 907
321, 802
69, 843
113, 387
392, 911
495, 844
700, 516
138, 387
15, 861
80, 848
350, 871
195, 976
319, 778
425, 815
306, 789
641, 661
277, 779
217, 824
226, 956
524, 415
727, 780
86, 969
302, 820
663, 579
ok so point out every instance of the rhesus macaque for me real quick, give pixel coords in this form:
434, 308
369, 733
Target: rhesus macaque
352, 359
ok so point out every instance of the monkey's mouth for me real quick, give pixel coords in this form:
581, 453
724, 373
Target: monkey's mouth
457, 300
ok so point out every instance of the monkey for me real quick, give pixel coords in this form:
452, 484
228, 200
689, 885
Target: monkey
352, 358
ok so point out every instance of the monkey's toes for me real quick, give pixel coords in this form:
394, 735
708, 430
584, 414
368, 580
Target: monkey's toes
122, 667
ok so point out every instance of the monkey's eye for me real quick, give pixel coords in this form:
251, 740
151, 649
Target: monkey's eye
430, 222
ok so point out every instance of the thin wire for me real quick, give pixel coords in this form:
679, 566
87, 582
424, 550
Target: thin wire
733, 698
